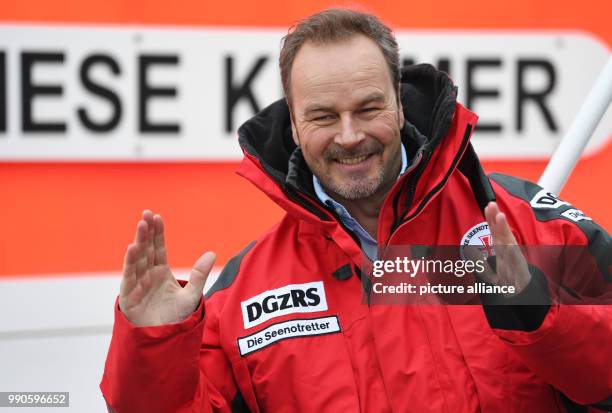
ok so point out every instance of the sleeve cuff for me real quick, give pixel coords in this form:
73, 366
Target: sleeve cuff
162, 331
524, 311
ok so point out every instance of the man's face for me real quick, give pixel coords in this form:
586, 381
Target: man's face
345, 116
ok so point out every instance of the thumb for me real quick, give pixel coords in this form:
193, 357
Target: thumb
201, 269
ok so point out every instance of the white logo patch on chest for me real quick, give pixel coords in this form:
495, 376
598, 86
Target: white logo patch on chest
287, 329
292, 298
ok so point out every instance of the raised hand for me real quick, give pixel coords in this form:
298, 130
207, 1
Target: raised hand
511, 266
149, 294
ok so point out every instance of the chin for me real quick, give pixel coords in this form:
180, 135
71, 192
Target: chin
357, 190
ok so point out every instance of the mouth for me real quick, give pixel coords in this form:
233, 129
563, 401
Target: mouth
352, 160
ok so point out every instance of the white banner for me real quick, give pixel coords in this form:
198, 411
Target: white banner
136, 93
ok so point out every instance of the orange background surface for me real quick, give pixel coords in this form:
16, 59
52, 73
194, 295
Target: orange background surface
79, 217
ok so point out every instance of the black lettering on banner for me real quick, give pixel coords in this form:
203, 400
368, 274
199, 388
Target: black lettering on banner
29, 91
284, 301
474, 93
101, 91
298, 298
269, 308
3, 106
311, 293
254, 311
262, 307
147, 92
537, 97
236, 92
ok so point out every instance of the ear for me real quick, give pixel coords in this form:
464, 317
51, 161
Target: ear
401, 115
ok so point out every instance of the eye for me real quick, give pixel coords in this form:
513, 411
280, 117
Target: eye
323, 118
366, 110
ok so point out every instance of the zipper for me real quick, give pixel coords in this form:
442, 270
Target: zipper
397, 193
440, 185
412, 189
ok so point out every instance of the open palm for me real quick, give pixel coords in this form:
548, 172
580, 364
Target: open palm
150, 295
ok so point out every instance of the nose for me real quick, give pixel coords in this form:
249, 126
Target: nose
350, 134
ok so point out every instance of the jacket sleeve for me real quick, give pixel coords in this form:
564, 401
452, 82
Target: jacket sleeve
170, 368
568, 346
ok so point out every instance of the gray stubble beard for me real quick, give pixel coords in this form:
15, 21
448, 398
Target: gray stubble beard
357, 190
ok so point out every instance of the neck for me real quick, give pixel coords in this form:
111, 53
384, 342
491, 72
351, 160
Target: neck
366, 210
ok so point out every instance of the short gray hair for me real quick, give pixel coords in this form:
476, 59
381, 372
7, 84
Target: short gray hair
335, 25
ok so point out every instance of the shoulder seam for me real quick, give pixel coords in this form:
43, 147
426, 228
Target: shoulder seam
229, 272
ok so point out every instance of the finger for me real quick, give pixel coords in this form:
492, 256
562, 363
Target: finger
491, 212
129, 269
158, 241
141, 232
498, 224
200, 271
130, 259
142, 264
509, 250
147, 216
504, 233
512, 266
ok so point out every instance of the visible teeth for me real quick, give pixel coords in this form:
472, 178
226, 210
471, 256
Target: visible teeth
351, 161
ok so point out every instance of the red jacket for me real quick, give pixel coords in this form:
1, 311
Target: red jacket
285, 329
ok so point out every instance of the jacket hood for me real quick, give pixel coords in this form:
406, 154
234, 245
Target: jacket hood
428, 98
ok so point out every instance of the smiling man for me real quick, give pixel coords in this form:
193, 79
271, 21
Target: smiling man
364, 157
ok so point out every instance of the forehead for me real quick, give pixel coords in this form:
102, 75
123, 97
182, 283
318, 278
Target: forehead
339, 73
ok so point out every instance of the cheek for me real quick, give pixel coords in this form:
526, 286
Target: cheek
384, 129
314, 143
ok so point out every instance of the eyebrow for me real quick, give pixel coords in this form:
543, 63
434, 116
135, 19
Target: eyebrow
372, 97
